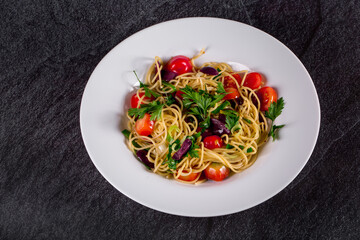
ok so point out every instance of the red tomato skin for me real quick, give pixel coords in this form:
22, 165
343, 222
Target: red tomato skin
178, 94
266, 95
217, 172
229, 82
212, 142
179, 64
189, 178
134, 102
253, 80
144, 126
233, 93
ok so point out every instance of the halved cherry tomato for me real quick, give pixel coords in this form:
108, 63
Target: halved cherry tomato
179, 65
189, 178
253, 80
229, 82
266, 95
212, 142
144, 126
135, 100
217, 171
178, 94
233, 93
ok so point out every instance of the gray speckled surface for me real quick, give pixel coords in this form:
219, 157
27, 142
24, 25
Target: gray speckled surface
49, 188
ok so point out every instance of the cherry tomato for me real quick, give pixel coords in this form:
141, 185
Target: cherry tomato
144, 126
233, 93
135, 100
212, 142
189, 178
178, 94
229, 82
179, 65
253, 80
217, 171
266, 95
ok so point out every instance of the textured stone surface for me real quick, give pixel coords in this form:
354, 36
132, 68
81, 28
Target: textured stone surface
49, 189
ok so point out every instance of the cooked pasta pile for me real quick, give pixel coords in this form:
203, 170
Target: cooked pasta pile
178, 122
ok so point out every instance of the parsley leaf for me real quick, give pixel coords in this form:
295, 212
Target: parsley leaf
229, 112
200, 102
275, 109
157, 112
249, 150
272, 113
220, 88
247, 120
170, 100
232, 123
148, 91
196, 111
153, 108
219, 70
232, 120
221, 107
192, 152
205, 124
169, 160
187, 102
216, 99
126, 133
274, 131
138, 112
197, 135
228, 146
171, 163
166, 84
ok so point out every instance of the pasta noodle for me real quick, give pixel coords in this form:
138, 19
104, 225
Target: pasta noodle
242, 145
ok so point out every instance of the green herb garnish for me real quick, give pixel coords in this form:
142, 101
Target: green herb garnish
228, 146
274, 131
220, 88
169, 160
171, 163
200, 102
232, 120
192, 151
232, 123
148, 91
249, 150
153, 108
229, 112
205, 124
219, 70
126, 133
275, 109
247, 120
221, 107
272, 113
166, 84
170, 100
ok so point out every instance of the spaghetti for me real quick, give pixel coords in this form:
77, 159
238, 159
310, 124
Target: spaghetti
181, 119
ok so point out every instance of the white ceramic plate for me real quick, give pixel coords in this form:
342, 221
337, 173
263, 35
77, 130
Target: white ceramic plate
106, 98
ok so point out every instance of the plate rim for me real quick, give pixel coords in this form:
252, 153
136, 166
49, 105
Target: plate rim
167, 211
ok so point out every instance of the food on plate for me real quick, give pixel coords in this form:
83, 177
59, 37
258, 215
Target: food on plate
197, 123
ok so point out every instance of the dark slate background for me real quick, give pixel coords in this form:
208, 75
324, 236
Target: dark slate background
49, 188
